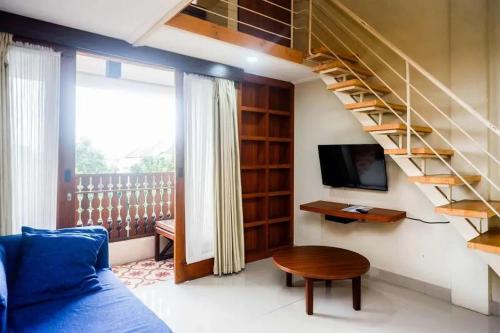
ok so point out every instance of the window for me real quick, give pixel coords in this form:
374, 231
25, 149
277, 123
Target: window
125, 117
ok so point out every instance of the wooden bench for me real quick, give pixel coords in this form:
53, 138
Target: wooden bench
164, 228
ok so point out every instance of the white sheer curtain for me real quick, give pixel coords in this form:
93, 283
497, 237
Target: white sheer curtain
33, 107
199, 167
5, 177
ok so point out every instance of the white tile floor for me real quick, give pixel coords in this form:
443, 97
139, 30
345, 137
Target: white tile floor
257, 300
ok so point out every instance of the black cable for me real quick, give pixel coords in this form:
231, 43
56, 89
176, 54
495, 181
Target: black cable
428, 222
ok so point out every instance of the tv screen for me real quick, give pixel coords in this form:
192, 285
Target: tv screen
356, 166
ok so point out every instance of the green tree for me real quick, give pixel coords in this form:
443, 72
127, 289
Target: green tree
89, 159
149, 164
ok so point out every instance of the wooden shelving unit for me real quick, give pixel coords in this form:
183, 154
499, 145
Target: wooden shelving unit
266, 149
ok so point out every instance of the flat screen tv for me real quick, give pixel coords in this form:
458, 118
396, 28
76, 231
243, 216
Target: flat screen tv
355, 166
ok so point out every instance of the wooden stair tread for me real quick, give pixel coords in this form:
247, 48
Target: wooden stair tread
487, 242
398, 127
323, 51
445, 179
337, 67
356, 85
374, 104
469, 208
420, 151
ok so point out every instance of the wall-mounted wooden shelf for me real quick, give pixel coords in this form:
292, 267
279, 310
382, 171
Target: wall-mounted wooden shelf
379, 215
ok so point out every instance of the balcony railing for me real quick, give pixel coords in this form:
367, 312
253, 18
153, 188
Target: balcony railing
127, 205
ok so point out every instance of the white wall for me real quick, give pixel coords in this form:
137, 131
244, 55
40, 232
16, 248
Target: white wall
132, 250
454, 41
408, 248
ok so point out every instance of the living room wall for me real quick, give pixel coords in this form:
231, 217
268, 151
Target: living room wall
432, 32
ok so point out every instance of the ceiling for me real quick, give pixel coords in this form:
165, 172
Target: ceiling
142, 22
123, 19
183, 42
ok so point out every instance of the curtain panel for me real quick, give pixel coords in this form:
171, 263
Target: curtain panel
229, 256
5, 169
32, 121
199, 167
213, 208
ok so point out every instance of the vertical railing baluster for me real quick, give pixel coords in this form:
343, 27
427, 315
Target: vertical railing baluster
110, 206
79, 198
90, 197
309, 35
100, 196
162, 197
169, 194
153, 195
292, 22
119, 205
145, 216
128, 195
137, 217
408, 110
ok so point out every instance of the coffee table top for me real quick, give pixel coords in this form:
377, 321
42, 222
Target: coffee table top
321, 262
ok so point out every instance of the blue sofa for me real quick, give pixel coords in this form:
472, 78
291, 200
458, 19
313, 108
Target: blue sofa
112, 309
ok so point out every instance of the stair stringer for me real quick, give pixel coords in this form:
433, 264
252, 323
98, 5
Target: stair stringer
466, 230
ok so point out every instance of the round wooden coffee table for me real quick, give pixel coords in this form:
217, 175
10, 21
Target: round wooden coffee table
323, 263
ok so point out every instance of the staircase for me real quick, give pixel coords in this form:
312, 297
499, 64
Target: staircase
392, 124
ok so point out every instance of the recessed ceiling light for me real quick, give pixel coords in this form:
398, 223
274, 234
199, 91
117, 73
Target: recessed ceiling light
252, 59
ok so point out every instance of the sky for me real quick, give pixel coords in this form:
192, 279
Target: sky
124, 118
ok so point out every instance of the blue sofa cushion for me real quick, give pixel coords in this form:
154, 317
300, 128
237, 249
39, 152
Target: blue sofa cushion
112, 309
55, 265
3, 292
102, 256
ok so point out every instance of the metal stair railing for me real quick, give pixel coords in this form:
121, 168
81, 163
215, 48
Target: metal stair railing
408, 63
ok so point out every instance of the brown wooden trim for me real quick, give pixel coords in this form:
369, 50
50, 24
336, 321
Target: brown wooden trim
212, 30
84, 41
180, 231
65, 208
247, 77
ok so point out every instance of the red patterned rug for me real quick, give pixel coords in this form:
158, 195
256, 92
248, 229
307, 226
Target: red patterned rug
144, 272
